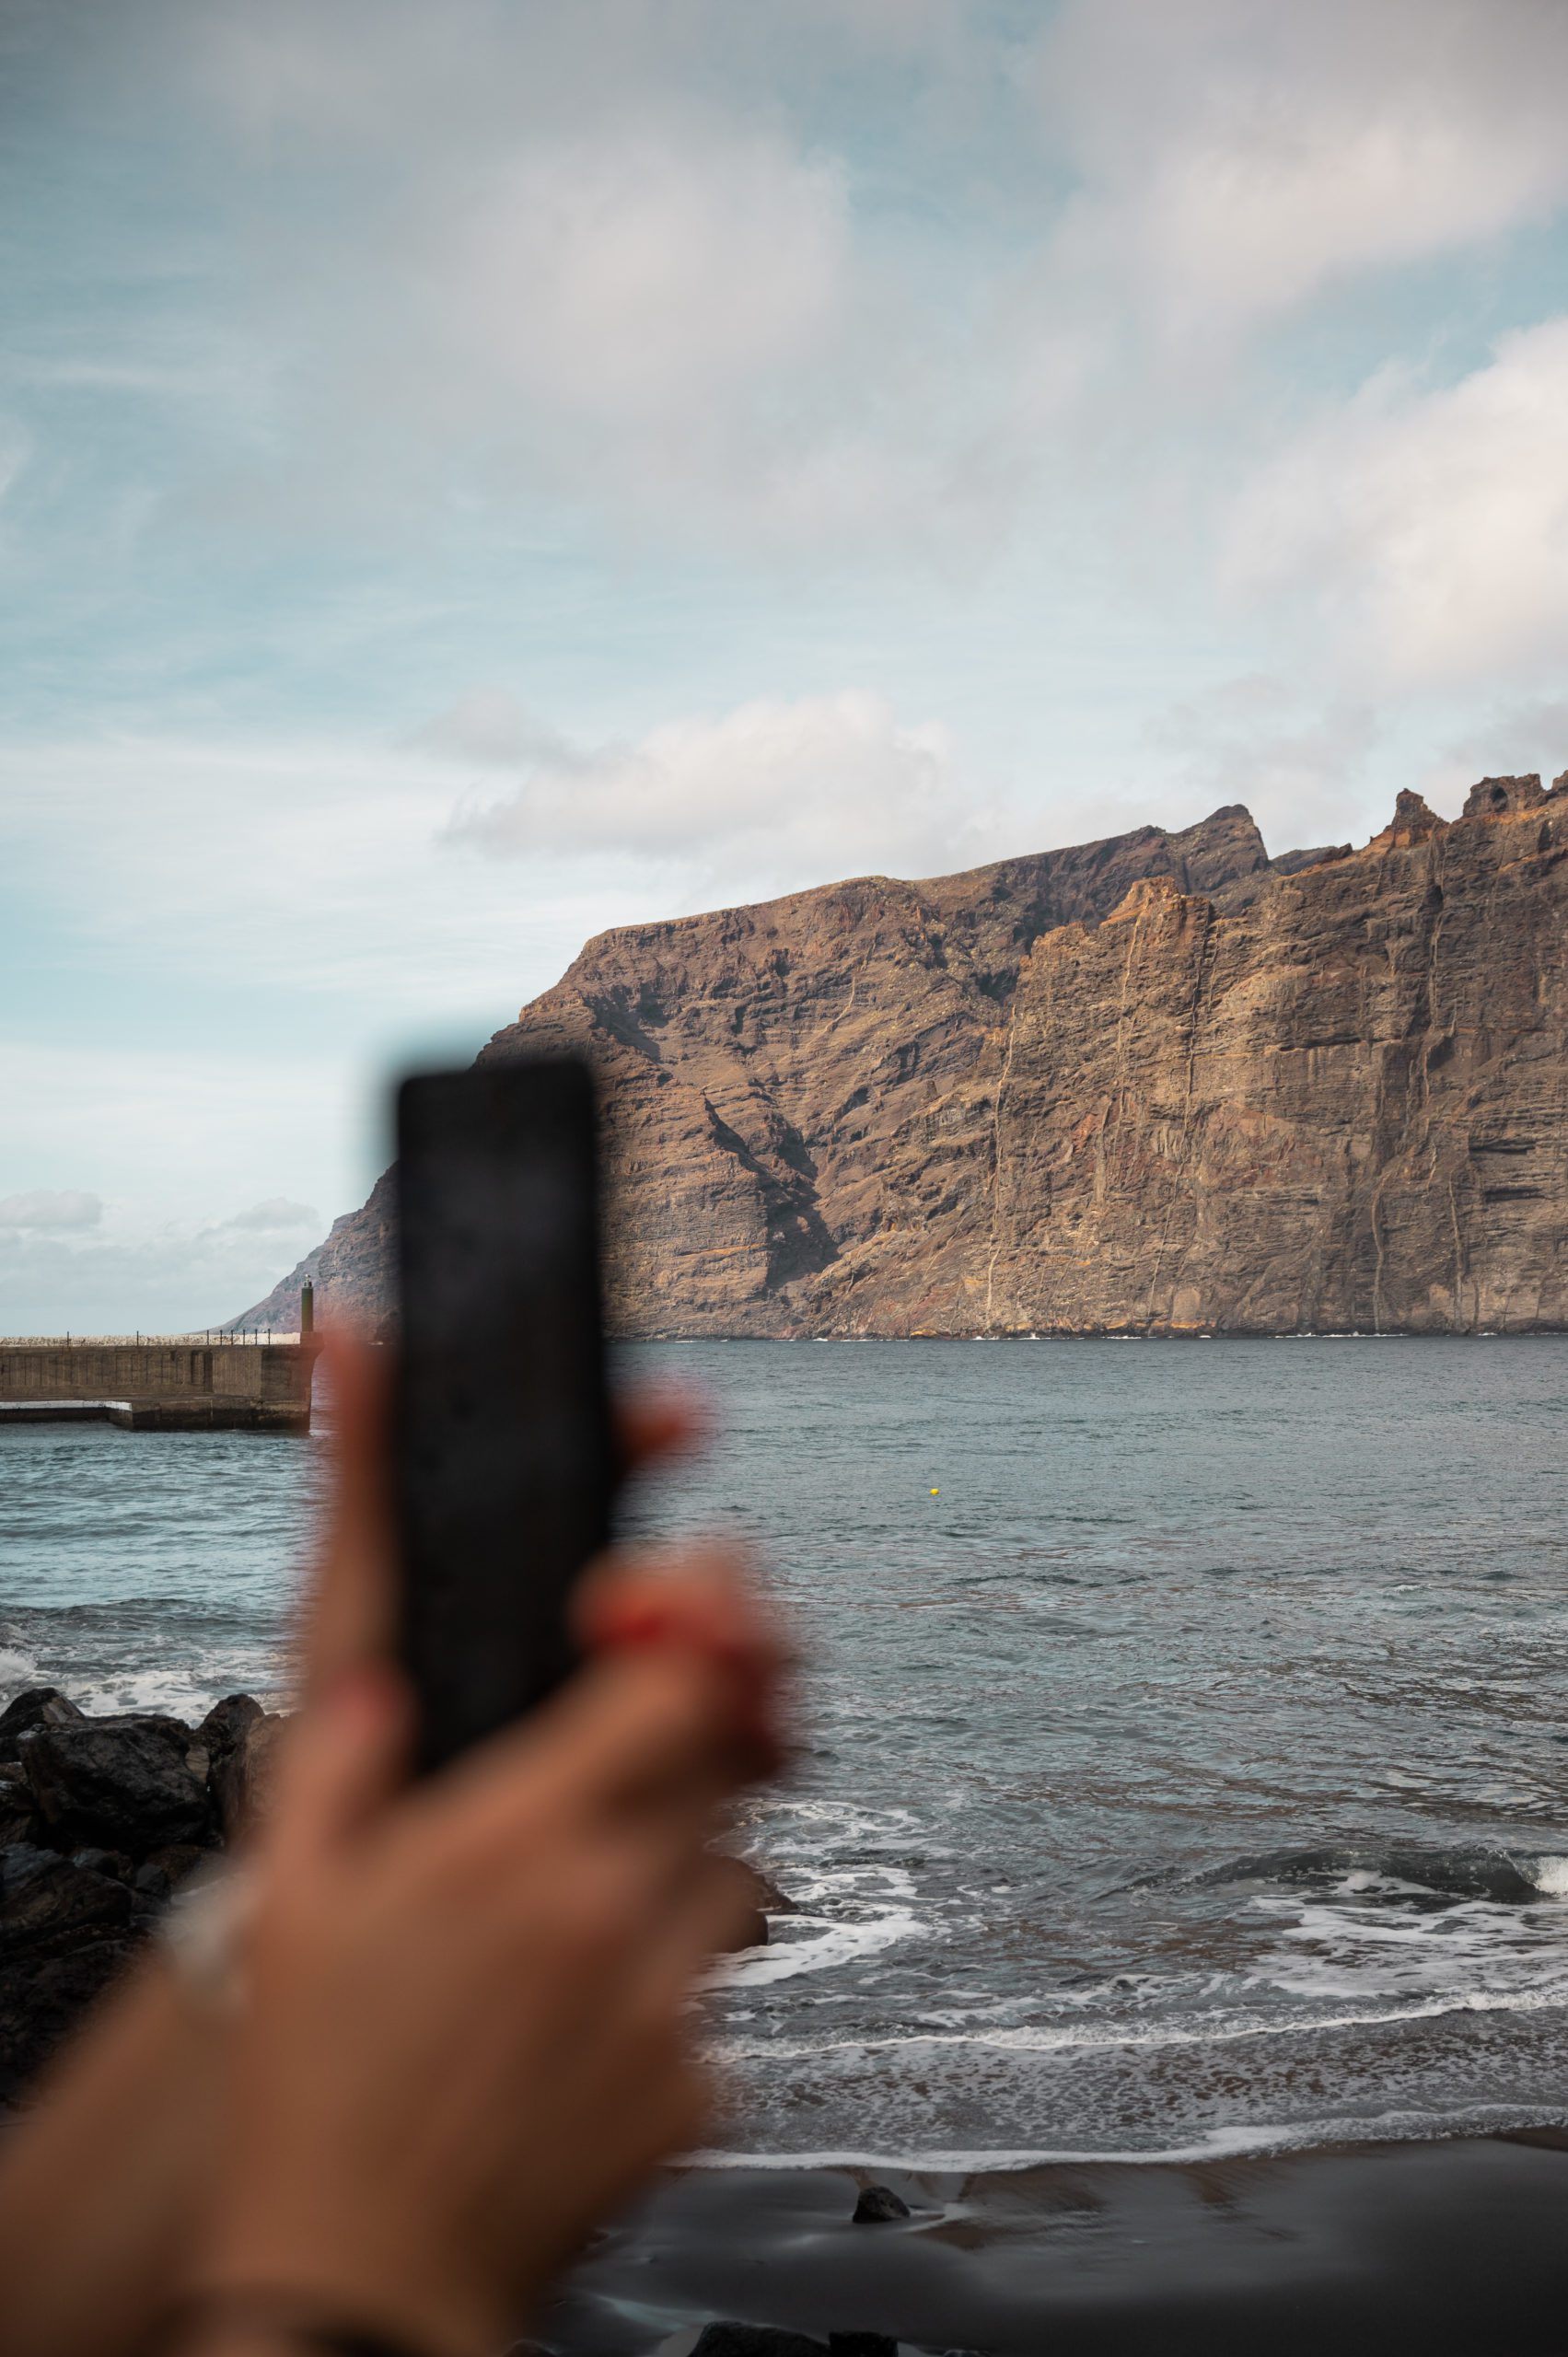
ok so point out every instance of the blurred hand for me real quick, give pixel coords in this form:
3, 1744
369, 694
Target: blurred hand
467, 2028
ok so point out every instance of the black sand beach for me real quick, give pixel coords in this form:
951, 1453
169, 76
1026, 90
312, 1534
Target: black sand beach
1448, 2245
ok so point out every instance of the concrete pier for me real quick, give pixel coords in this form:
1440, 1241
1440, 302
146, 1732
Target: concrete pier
159, 1382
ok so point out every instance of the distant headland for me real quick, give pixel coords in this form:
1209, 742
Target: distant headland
1157, 1085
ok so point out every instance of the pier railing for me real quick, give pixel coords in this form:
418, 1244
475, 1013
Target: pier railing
206, 1335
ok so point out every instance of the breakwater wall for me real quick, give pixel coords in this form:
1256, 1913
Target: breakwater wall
159, 1383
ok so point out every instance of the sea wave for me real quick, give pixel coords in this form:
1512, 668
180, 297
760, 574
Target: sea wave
1254, 2139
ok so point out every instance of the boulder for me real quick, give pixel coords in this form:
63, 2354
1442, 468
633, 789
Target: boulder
46, 1900
113, 1863
120, 1782
226, 1723
100, 1821
769, 1898
177, 1859
878, 2206
36, 1706
862, 2344
754, 2341
241, 1779
44, 1995
18, 1818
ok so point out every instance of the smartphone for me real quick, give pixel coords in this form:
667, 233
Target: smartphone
504, 1458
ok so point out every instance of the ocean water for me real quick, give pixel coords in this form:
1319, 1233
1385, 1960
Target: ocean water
1184, 1761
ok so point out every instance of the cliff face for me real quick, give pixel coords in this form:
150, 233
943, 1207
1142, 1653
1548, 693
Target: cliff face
1154, 1084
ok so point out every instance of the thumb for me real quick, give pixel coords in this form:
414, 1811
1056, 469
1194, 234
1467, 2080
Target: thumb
346, 1756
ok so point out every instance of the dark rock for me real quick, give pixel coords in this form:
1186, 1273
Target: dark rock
43, 1997
241, 1780
862, 2344
125, 1796
1458, 1873
225, 1724
49, 1901
878, 2206
18, 1818
769, 1898
121, 1782
176, 1860
754, 2341
113, 1863
37, 1706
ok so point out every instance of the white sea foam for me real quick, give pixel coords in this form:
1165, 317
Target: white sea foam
1231, 2142
834, 1944
844, 1909
850, 1912
1109, 2037
1477, 1955
18, 1668
183, 1690
798, 1827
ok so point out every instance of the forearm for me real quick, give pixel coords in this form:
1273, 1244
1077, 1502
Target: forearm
100, 2179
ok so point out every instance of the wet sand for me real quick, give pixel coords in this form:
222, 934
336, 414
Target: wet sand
1448, 2246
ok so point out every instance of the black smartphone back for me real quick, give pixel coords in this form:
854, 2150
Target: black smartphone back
503, 1451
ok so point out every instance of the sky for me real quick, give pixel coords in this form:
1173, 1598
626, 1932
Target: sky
474, 475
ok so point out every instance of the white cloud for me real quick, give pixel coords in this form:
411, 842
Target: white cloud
356, 872
781, 794
172, 1281
1299, 766
16, 449
567, 256
1238, 157
302, 867
51, 1208
186, 1129
620, 258
276, 1216
645, 280
1430, 528
164, 1135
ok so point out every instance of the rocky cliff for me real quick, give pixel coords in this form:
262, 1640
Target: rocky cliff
1156, 1085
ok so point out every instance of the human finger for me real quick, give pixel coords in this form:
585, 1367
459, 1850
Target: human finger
710, 1916
631, 1737
351, 1604
698, 1593
350, 1611
654, 1423
673, 1709
701, 1598
345, 1757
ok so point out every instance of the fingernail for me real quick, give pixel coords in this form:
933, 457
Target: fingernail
645, 1625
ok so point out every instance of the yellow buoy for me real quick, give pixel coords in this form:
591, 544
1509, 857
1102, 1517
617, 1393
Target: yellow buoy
935, 1493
